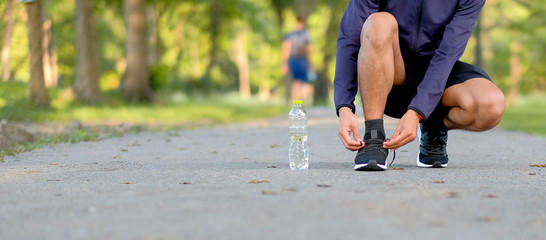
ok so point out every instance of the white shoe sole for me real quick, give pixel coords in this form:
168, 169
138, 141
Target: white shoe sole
370, 166
434, 165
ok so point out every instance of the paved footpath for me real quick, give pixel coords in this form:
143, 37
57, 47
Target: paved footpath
233, 182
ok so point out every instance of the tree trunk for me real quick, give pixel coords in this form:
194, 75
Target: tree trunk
179, 33
286, 79
9, 20
265, 87
516, 71
136, 83
239, 56
50, 65
279, 6
322, 84
53, 60
305, 7
37, 91
86, 85
153, 14
195, 56
215, 8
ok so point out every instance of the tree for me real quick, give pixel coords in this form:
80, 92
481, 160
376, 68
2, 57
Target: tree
516, 71
136, 82
280, 6
322, 84
86, 84
37, 91
49, 50
239, 55
215, 21
9, 19
305, 7
153, 13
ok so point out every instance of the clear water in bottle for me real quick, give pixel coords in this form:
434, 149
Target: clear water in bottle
298, 154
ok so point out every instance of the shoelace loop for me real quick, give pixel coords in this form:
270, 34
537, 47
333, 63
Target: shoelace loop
393, 154
393, 157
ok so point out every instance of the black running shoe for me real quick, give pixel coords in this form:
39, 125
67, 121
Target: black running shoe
372, 156
432, 149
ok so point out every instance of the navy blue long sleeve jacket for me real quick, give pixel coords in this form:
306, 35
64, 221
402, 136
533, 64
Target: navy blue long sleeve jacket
437, 28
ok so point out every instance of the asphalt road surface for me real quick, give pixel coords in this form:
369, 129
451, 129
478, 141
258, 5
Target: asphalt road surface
233, 182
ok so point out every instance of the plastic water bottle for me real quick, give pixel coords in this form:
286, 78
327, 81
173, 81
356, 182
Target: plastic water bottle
298, 154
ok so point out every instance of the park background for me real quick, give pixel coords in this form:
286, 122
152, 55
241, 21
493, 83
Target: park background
196, 63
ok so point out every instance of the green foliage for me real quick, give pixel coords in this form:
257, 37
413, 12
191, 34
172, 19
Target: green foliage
171, 107
528, 115
78, 136
15, 106
64, 37
186, 34
187, 113
159, 76
505, 23
185, 39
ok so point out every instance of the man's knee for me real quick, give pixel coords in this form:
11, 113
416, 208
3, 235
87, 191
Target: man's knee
490, 110
379, 29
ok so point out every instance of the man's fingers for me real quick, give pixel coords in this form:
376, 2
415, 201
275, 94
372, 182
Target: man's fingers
348, 129
356, 135
393, 143
397, 145
349, 143
395, 140
398, 141
353, 145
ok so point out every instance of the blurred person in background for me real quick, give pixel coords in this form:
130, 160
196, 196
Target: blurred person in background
296, 60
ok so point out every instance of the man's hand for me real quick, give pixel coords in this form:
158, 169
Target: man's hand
405, 132
348, 124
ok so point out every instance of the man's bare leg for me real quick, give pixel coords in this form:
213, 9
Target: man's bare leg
476, 105
380, 66
380, 63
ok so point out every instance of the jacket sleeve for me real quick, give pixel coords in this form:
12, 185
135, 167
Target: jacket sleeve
451, 48
348, 45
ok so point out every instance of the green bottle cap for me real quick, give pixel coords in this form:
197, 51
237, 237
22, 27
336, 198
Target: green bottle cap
298, 102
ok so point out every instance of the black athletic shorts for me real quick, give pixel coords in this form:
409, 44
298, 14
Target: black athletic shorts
400, 96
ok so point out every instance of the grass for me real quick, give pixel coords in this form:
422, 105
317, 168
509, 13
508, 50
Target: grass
170, 110
527, 115
49, 141
188, 113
